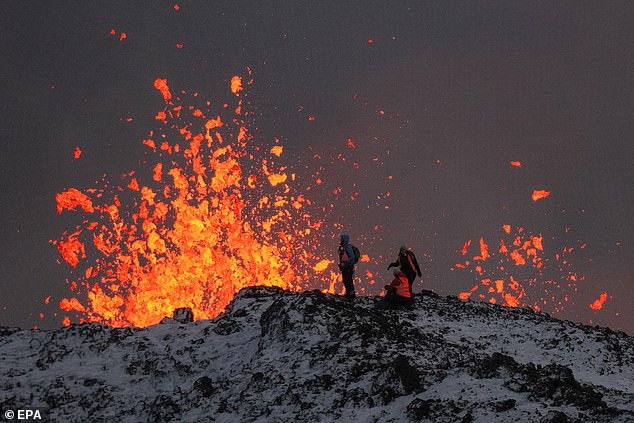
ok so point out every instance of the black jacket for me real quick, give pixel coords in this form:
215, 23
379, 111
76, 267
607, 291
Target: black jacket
408, 264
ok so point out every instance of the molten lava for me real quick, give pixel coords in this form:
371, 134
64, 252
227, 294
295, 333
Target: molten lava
206, 214
540, 194
520, 265
598, 304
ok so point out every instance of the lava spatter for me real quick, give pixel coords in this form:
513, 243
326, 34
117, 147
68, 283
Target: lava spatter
521, 273
205, 214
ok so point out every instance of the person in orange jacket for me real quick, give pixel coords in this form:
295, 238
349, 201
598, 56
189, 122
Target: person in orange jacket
406, 262
398, 293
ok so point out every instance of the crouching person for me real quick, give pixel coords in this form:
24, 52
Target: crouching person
397, 293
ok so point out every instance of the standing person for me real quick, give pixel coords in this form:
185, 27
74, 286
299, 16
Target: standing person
397, 294
406, 261
346, 265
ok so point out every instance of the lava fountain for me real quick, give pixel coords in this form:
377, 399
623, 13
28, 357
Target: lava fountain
207, 213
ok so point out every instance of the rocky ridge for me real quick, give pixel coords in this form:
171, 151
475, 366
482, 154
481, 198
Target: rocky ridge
277, 356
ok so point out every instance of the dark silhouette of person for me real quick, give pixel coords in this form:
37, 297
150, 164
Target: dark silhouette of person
406, 261
346, 265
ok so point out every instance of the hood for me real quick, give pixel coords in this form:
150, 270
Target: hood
397, 272
344, 239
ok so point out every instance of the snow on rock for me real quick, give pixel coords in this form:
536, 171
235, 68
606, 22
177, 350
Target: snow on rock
277, 356
181, 315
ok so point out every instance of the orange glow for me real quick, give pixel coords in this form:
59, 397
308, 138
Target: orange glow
322, 265
540, 194
503, 248
364, 258
122, 36
484, 251
71, 199
236, 84
527, 251
158, 172
537, 242
133, 185
465, 247
518, 258
598, 304
514, 285
77, 153
511, 301
190, 228
351, 143
72, 304
277, 178
466, 295
516, 164
161, 85
150, 144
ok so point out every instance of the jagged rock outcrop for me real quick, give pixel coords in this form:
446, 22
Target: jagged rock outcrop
277, 356
181, 315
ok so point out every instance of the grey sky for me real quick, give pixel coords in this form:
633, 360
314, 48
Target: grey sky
465, 87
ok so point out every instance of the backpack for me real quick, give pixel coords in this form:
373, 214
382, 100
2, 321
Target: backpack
357, 254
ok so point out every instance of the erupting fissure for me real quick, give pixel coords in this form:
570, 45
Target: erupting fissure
207, 214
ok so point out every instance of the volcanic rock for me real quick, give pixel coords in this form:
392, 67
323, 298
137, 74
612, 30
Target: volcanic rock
278, 356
